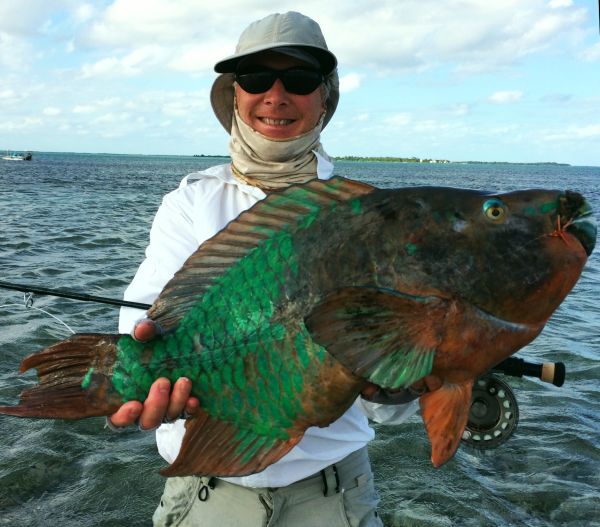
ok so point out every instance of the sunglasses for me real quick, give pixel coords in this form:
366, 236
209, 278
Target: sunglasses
298, 81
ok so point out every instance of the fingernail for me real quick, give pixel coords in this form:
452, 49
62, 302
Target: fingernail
164, 387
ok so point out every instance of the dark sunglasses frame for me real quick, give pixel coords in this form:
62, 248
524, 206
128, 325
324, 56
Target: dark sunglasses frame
299, 81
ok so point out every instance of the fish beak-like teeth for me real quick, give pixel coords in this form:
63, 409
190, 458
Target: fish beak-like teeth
577, 218
584, 228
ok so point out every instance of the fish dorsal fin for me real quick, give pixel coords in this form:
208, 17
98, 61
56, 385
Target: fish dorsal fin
295, 206
381, 335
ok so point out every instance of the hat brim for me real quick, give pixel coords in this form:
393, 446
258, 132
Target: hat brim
222, 95
324, 58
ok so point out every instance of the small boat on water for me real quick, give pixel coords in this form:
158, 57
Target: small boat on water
27, 156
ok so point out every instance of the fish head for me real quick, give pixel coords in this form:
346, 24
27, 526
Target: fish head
513, 255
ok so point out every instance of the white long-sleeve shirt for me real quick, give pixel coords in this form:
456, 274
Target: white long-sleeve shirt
202, 205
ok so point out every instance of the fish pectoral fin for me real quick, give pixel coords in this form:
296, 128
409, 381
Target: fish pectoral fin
385, 337
445, 413
212, 447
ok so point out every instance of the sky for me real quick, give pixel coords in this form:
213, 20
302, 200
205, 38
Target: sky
463, 80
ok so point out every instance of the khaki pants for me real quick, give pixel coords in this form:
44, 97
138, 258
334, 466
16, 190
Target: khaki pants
342, 495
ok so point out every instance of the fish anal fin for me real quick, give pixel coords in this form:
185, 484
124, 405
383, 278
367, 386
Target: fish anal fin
445, 413
383, 336
218, 448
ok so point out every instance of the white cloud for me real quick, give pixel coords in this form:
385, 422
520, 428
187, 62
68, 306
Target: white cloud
460, 109
575, 133
505, 97
350, 82
51, 111
21, 124
108, 101
591, 54
106, 66
398, 119
556, 4
112, 118
196, 57
584, 132
7, 94
470, 35
134, 63
84, 108
84, 13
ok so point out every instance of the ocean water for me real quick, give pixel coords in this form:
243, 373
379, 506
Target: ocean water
81, 222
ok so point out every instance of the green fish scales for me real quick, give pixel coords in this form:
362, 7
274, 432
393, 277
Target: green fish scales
245, 368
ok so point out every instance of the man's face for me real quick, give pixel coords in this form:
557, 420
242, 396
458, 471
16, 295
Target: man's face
277, 113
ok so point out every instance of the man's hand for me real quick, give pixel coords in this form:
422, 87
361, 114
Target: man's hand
162, 404
373, 393
145, 329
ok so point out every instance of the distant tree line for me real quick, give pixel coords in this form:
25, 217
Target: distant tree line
391, 159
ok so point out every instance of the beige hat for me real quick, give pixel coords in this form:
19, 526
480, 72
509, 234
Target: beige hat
291, 34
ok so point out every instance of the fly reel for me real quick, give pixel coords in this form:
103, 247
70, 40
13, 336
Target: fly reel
494, 413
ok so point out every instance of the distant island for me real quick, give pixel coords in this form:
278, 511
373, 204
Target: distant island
390, 159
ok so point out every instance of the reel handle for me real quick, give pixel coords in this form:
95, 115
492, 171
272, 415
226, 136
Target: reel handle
550, 372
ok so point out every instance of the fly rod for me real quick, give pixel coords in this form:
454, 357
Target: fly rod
72, 295
553, 373
550, 372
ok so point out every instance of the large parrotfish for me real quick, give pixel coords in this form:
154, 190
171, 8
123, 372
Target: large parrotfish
282, 318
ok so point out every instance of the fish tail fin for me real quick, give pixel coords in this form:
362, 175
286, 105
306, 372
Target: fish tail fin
67, 389
445, 413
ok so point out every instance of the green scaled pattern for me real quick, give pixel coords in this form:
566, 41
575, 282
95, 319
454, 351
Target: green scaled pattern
246, 368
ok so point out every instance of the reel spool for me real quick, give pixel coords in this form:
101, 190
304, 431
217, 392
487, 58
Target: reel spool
494, 413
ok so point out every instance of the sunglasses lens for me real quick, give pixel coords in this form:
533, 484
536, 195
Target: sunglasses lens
295, 80
301, 82
256, 81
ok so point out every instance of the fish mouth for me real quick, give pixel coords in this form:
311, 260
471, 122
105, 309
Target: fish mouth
582, 223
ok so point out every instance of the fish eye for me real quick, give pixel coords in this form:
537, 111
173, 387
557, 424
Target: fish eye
494, 210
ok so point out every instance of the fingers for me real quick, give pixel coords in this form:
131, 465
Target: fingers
180, 401
160, 406
192, 406
156, 404
145, 330
429, 383
432, 382
126, 415
369, 390
373, 393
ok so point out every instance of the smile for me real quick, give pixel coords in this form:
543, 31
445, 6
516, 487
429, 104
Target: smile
276, 122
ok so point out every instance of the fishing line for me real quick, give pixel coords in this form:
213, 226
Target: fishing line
28, 304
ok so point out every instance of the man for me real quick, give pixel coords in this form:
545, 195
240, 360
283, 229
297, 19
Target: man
274, 96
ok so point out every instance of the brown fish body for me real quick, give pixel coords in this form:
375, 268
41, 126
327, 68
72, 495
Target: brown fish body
396, 286
467, 276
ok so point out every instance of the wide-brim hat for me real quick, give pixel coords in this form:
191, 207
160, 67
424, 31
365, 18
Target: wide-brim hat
291, 34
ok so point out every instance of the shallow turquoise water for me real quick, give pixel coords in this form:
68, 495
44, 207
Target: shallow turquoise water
81, 222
